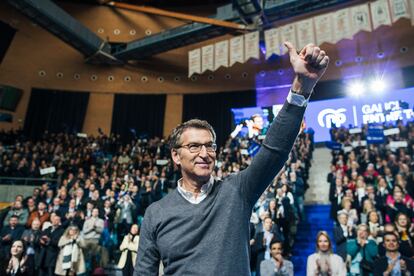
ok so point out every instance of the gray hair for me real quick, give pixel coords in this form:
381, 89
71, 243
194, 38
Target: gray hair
175, 137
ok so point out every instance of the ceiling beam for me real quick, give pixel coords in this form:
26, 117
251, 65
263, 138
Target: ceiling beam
182, 16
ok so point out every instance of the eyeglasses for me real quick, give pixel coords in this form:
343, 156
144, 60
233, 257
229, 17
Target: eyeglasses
195, 147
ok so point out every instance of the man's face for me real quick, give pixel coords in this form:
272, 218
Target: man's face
36, 224
276, 249
56, 221
267, 225
391, 243
343, 219
258, 122
199, 165
13, 222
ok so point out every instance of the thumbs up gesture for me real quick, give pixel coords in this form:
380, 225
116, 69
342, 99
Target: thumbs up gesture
309, 65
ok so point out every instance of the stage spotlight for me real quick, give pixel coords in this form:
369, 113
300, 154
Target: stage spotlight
356, 89
377, 85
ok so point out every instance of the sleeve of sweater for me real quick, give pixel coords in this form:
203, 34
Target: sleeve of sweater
273, 152
148, 256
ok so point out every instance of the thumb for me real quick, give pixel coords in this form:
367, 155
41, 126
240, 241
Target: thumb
291, 49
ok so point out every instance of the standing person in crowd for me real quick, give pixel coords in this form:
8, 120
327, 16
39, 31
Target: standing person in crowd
129, 248
277, 265
342, 232
32, 238
49, 246
41, 214
189, 228
324, 262
126, 210
10, 233
70, 260
406, 233
362, 252
17, 265
261, 245
18, 211
393, 263
92, 230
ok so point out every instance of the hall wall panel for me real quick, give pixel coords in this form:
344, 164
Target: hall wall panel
99, 113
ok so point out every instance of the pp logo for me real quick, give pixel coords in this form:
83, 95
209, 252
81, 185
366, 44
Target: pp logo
330, 116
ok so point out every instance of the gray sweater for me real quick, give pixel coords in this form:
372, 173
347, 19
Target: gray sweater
212, 237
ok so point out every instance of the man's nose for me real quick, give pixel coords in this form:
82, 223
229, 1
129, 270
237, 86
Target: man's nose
203, 151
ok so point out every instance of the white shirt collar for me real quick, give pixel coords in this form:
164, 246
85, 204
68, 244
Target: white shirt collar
190, 197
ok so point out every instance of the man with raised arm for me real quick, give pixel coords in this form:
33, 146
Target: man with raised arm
202, 228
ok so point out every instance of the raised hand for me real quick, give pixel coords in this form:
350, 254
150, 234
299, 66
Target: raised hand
309, 65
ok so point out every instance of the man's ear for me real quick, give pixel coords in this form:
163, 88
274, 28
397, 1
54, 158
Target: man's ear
176, 156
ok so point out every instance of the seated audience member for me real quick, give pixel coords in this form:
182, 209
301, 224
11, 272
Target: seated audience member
70, 260
17, 265
276, 265
324, 262
129, 248
393, 263
10, 233
406, 233
49, 251
32, 237
361, 252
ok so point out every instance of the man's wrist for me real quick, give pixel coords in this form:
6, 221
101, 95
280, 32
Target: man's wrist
303, 87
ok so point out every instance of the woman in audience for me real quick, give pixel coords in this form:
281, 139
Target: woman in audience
398, 203
361, 252
17, 265
324, 262
406, 234
129, 248
351, 212
375, 226
70, 260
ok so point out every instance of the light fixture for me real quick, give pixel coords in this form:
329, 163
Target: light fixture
355, 89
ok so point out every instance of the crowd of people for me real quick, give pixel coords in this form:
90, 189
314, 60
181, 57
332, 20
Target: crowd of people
371, 194
88, 211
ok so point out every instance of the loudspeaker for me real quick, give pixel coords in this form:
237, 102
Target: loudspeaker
9, 97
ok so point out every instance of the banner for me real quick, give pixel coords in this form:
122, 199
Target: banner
207, 58
272, 42
236, 50
305, 33
380, 13
323, 28
194, 62
399, 9
342, 25
287, 33
412, 11
375, 134
360, 19
221, 54
251, 45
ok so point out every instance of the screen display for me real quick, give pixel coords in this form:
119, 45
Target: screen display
387, 107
